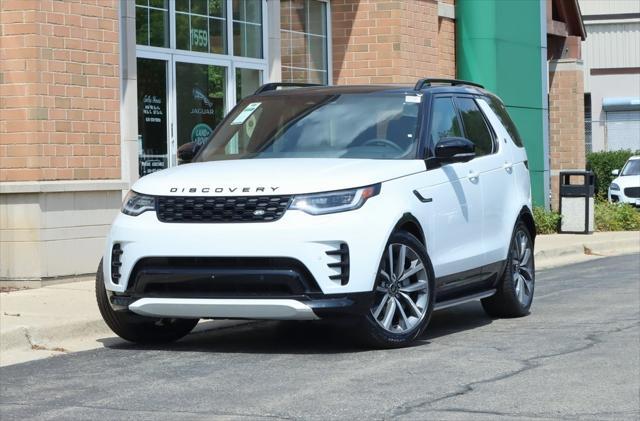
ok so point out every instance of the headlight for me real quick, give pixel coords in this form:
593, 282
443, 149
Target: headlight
336, 201
614, 186
135, 203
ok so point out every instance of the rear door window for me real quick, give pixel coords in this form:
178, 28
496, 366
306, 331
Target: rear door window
505, 119
475, 126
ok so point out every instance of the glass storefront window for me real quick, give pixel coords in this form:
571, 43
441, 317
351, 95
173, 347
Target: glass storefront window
189, 53
152, 115
200, 100
201, 25
247, 82
304, 41
247, 28
152, 23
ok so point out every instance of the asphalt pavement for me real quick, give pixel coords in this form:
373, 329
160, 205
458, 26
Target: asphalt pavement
576, 356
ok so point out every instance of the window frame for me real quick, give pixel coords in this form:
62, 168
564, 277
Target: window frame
172, 48
329, 43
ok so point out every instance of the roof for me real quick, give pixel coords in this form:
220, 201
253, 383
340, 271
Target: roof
367, 89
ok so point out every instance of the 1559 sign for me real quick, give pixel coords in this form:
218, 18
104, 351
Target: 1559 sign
199, 38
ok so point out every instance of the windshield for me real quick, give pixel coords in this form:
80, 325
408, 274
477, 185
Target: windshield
378, 125
632, 167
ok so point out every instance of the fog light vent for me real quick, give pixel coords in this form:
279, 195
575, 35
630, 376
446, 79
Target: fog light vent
116, 252
343, 264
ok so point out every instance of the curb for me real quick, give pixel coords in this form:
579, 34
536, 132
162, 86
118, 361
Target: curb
57, 338
553, 257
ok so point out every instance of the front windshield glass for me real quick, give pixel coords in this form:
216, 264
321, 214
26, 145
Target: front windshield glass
632, 167
377, 125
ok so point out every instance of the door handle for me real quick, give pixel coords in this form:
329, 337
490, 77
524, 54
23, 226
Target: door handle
473, 176
508, 166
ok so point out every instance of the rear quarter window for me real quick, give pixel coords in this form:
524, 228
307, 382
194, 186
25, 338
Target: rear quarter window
505, 119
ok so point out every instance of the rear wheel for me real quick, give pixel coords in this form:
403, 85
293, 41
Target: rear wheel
515, 289
136, 328
403, 295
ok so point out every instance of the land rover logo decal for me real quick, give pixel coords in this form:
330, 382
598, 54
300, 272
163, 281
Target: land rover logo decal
258, 212
200, 133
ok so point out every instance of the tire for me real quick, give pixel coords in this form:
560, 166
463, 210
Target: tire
401, 308
515, 288
135, 328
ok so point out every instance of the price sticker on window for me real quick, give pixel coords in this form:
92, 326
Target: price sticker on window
244, 114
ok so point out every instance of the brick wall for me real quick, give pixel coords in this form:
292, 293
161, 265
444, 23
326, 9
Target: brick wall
566, 120
59, 90
390, 41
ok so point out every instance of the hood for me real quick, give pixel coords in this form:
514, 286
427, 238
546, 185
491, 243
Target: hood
255, 177
627, 181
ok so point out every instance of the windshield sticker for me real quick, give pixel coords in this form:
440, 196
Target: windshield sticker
414, 99
242, 117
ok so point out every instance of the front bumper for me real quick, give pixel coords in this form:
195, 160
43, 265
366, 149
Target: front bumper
299, 308
312, 241
618, 196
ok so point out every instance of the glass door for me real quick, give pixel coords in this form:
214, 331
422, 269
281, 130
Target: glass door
153, 114
201, 101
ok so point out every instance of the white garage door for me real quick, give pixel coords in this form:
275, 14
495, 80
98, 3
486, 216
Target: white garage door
623, 130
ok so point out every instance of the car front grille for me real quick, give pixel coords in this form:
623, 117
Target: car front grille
221, 209
632, 192
200, 277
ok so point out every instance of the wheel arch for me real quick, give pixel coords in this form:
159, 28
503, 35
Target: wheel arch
527, 218
410, 223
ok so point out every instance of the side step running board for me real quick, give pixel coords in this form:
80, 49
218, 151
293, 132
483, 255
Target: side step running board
462, 300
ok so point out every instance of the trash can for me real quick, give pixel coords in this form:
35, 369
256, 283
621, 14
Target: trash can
577, 202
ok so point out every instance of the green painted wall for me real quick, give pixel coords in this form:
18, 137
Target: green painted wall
499, 44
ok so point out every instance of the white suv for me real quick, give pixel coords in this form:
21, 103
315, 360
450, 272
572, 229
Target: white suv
374, 203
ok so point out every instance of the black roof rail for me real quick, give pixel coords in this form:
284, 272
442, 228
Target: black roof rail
453, 82
274, 86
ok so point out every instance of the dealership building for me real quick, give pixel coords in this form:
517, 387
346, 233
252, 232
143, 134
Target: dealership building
97, 93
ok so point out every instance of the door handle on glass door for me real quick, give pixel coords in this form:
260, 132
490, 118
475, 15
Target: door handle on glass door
473, 176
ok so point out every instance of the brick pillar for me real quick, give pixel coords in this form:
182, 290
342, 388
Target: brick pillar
59, 90
566, 120
393, 41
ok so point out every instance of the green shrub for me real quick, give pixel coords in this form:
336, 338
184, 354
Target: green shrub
547, 222
616, 217
602, 163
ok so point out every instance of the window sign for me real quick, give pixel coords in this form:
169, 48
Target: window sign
152, 115
200, 105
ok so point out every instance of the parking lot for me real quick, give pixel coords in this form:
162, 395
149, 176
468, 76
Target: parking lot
575, 357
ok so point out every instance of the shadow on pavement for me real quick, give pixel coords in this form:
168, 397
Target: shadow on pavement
309, 337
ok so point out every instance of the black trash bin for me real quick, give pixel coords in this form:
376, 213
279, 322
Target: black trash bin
577, 190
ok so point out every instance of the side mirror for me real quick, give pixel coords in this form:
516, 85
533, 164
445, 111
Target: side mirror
187, 151
615, 172
455, 149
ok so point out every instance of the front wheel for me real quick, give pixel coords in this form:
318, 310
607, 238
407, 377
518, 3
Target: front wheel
136, 328
403, 296
515, 289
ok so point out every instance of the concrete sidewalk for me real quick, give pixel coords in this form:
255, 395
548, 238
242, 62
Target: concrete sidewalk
63, 318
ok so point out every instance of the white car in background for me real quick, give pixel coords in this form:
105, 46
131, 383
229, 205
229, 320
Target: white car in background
626, 187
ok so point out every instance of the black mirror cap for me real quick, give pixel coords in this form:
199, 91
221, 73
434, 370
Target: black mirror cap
455, 149
187, 151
